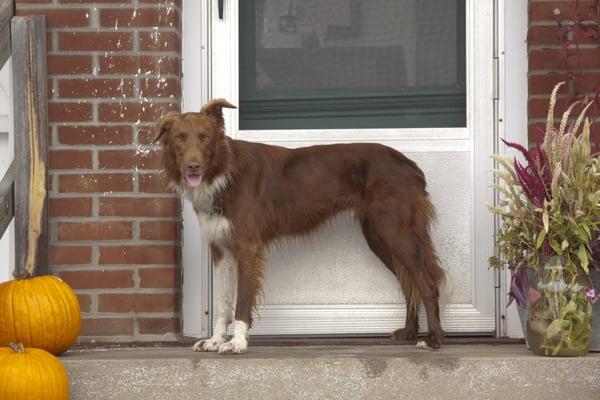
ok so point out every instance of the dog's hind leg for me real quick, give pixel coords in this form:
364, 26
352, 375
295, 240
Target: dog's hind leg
225, 285
250, 269
413, 301
406, 239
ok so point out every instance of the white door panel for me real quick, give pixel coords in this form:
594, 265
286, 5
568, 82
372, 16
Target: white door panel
330, 283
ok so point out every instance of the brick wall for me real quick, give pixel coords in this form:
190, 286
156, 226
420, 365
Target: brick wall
547, 66
113, 69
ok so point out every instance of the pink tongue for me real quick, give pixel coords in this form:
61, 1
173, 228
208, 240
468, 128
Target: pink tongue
193, 180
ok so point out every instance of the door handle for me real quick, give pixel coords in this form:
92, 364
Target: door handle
221, 9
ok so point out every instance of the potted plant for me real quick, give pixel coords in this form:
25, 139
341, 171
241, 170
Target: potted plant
550, 214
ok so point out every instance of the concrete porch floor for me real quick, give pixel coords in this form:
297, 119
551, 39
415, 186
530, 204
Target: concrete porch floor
332, 372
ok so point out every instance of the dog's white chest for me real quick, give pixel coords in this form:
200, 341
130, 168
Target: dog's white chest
214, 227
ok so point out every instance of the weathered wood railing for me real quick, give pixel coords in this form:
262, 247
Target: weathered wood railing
22, 189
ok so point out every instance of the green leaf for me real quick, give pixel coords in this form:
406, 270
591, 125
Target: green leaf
583, 258
555, 246
564, 245
540, 239
555, 328
587, 230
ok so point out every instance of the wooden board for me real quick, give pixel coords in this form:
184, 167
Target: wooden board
30, 115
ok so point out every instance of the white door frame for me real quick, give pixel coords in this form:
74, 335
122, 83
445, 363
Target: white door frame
512, 119
199, 87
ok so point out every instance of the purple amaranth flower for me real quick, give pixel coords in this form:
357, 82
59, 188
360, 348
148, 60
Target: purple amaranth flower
535, 178
518, 287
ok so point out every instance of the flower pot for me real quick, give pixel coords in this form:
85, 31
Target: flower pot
559, 311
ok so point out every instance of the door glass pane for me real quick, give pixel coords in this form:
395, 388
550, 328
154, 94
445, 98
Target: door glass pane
351, 63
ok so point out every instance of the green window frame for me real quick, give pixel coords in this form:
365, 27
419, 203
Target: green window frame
424, 107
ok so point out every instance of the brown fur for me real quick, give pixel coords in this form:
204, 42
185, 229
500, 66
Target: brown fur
275, 192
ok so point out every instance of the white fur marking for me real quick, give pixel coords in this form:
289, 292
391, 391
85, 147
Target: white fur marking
239, 342
225, 281
422, 345
215, 228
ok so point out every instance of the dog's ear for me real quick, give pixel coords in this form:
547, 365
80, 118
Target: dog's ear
214, 109
164, 124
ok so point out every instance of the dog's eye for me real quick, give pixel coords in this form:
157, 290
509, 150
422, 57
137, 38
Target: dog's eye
180, 138
204, 138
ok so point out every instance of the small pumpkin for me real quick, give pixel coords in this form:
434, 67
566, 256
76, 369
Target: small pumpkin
31, 374
41, 312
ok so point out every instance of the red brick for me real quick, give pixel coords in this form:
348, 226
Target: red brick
133, 112
146, 134
552, 59
139, 207
538, 108
70, 159
95, 41
543, 84
128, 159
113, 134
69, 112
91, 1
68, 64
153, 183
69, 255
111, 64
63, 18
543, 35
545, 11
588, 81
176, 3
95, 183
160, 41
161, 87
106, 279
49, 44
70, 207
159, 277
32, 1
159, 326
106, 230
160, 230
106, 326
154, 254
139, 17
85, 302
78, 88
137, 302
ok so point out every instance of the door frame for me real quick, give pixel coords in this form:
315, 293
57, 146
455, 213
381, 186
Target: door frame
197, 56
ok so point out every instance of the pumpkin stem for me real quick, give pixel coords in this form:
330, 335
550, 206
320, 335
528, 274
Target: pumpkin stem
17, 348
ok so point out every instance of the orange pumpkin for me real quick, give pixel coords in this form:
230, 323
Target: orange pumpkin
41, 312
31, 374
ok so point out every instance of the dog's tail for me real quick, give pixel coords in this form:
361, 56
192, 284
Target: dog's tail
432, 264
445, 288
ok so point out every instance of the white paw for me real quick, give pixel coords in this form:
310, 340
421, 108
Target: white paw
211, 344
421, 344
234, 346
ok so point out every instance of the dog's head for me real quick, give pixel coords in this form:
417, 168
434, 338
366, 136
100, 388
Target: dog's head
193, 145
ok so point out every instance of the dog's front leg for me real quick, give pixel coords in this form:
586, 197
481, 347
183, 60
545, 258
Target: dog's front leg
250, 267
225, 285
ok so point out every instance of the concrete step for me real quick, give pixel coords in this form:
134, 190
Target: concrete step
332, 372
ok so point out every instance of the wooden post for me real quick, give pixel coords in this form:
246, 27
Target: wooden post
28, 38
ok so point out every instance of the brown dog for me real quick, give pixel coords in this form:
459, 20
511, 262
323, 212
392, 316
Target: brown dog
247, 195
